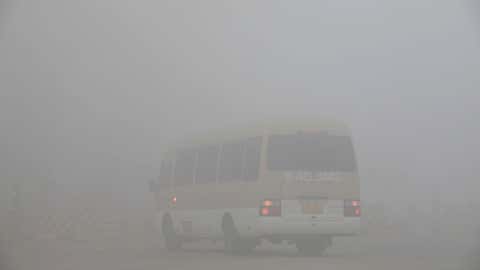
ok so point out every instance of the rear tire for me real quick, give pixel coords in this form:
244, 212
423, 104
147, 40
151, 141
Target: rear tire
313, 247
172, 241
234, 244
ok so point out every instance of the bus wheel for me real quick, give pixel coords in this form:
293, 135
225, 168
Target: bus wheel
172, 241
313, 247
234, 244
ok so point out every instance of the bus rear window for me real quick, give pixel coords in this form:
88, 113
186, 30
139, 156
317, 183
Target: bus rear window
315, 152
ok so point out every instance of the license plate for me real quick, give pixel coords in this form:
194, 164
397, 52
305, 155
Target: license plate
312, 206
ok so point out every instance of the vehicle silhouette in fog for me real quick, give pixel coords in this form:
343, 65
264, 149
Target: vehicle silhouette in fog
292, 181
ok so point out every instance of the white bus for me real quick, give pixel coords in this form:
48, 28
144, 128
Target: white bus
294, 182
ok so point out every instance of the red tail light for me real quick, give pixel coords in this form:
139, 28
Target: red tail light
352, 208
267, 203
271, 208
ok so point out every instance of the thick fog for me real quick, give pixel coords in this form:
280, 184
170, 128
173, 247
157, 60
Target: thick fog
92, 92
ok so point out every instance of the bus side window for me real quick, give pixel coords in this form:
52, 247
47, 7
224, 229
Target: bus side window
252, 159
207, 164
231, 162
165, 173
184, 168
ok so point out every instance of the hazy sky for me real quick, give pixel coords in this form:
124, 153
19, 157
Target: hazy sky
92, 90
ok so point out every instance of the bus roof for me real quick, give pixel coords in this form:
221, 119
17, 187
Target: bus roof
259, 129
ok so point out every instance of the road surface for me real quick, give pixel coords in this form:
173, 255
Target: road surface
146, 255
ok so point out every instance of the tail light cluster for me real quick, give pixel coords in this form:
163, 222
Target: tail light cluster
271, 208
173, 201
352, 208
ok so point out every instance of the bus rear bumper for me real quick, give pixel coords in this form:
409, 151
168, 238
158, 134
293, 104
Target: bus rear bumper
281, 226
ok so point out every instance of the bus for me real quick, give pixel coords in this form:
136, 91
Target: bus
288, 182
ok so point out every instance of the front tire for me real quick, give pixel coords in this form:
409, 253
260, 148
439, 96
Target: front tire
172, 241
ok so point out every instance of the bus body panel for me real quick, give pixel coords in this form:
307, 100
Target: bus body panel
207, 224
199, 208
198, 213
